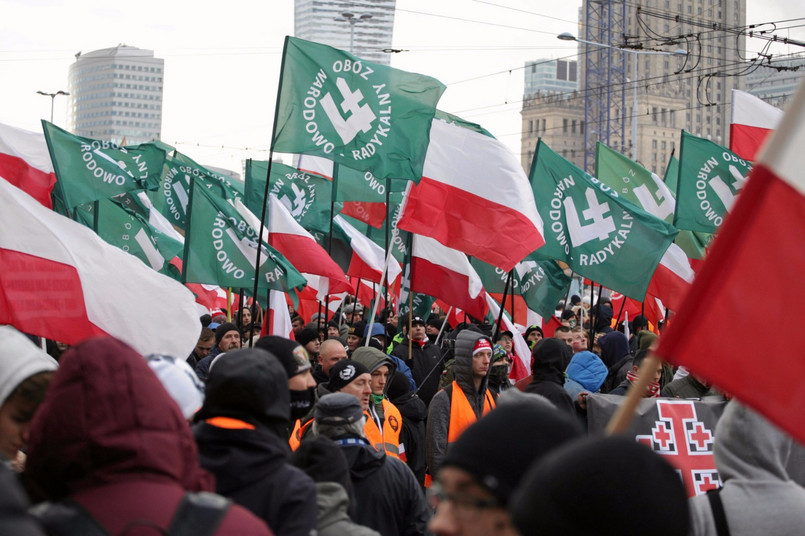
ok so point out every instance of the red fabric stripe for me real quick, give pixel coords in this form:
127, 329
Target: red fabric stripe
358, 268
371, 213
754, 266
745, 140
492, 232
668, 287
34, 291
29, 179
310, 258
452, 287
520, 307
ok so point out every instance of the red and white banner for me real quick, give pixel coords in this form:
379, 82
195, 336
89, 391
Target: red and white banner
752, 121
474, 197
62, 281
754, 265
672, 278
368, 259
302, 250
278, 319
25, 162
447, 274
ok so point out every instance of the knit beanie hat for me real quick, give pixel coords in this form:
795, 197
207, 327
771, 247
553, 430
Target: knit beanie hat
622, 486
20, 359
291, 354
495, 449
180, 381
480, 345
398, 386
338, 409
343, 373
306, 335
323, 461
222, 330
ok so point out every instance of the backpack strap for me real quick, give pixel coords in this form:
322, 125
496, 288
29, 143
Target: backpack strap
65, 518
198, 514
719, 517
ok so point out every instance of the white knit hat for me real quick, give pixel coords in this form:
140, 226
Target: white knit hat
20, 359
179, 381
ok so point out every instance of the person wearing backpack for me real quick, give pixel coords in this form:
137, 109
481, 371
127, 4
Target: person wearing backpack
112, 453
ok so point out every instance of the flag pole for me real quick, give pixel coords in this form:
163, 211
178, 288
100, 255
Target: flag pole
622, 418
503, 302
620, 312
592, 314
444, 323
388, 225
229, 304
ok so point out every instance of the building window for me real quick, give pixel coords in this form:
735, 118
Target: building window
573, 127
564, 126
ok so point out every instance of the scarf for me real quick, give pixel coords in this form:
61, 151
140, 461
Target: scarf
652, 389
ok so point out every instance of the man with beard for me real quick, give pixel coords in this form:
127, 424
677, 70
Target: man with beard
227, 337
296, 363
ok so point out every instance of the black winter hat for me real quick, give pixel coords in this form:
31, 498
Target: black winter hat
222, 330
608, 486
343, 373
495, 449
323, 461
398, 386
306, 335
290, 353
338, 409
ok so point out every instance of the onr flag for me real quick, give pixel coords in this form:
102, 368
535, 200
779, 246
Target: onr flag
364, 115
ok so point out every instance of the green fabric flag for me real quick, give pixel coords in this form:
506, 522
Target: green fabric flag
593, 229
88, 169
354, 185
221, 248
710, 178
378, 234
131, 232
672, 174
363, 115
172, 197
306, 195
646, 190
541, 283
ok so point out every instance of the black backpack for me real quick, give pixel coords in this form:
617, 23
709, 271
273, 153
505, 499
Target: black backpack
198, 514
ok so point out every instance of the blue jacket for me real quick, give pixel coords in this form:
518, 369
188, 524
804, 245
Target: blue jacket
586, 372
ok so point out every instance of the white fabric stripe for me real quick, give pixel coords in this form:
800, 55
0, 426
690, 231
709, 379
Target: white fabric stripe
25, 144
372, 254
452, 259
752, 111
783, 153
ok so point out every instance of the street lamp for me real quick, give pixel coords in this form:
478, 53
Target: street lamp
567, 36
350, 18
52, 99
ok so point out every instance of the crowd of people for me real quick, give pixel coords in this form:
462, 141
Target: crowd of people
399, 426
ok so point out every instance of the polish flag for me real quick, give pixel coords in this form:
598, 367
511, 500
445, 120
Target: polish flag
278, 319
474, 197
754, 267
672, 278
446, 273
25, 162
60, 280
368, 259
752, 120
522, 365
301, 249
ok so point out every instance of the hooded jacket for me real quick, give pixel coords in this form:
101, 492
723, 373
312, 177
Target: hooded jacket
383, 420
438, 424
412, 435
615, 353
585, 373
333, 520
759, 496
426, 365
549, 375
110, 437
241, 441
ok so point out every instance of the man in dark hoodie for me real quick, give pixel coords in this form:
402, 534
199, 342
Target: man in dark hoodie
616, 356
383, 419
550, 359
387, 495
412, 434
241, 440
464, 401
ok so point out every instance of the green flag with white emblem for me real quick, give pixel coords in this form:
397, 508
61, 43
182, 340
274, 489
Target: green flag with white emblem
221, 248
598, 233
89, 169
710, 179
306, 195
360, 114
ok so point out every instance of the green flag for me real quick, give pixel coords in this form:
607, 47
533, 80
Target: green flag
646, 190
672, 174
710, 178
306, 195
131, 232
88, 169
541, 283
221, 248
593, 229
363, 115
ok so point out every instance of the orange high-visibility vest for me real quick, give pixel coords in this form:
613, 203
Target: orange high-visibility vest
388, 439
462, 414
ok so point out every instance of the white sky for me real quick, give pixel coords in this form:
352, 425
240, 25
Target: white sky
222, 59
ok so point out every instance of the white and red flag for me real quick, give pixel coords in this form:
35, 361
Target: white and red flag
278, 319
474, 197
672, 278
25, 162
752, 121
368, 259
751, 273
447, 274
62, 281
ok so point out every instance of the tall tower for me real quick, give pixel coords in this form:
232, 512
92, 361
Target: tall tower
116, 94
365, 27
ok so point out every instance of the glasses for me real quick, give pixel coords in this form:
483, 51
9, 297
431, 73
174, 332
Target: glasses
465, 506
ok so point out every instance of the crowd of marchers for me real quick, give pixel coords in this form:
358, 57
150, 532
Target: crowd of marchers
398, 425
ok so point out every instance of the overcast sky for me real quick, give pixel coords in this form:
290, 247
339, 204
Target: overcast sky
222, 59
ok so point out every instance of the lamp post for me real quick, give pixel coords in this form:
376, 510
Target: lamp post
567, 36
52, 99
350, 18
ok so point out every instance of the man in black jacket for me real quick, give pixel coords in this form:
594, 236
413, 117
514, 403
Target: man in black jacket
425, 359
241, 440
